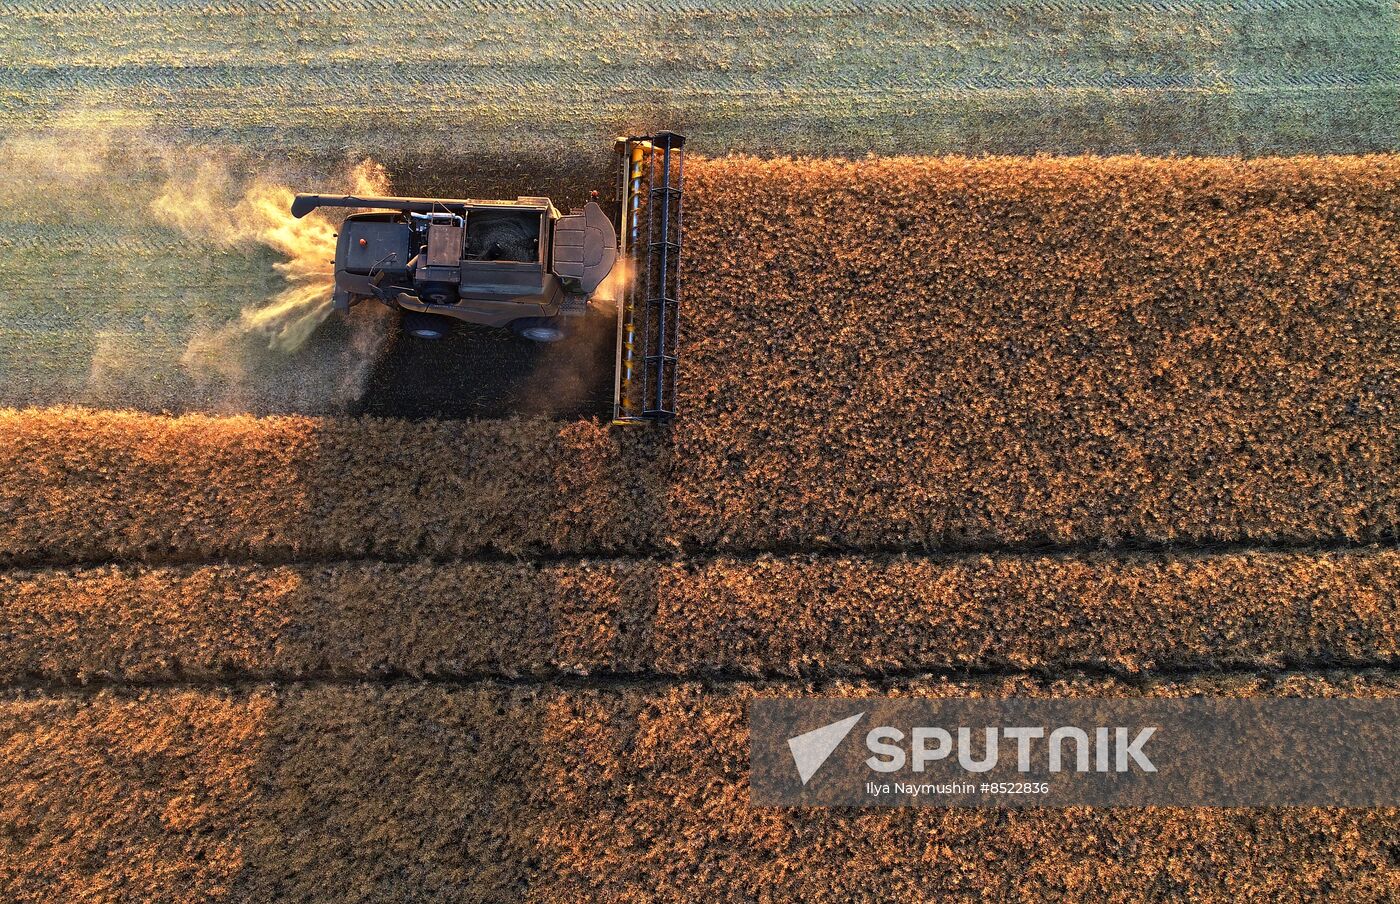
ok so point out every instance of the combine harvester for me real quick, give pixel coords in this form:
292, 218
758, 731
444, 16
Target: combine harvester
524, 266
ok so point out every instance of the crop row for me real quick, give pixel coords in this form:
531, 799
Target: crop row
808, 615
365, 792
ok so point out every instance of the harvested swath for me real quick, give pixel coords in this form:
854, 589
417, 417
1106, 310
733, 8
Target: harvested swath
923, 353
432, 792
845, 77
787, 616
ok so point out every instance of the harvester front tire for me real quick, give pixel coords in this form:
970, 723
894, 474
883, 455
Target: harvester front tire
538, 329
424, 326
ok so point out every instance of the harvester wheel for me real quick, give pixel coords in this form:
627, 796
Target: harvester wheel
424, 326
439, 293
538, 329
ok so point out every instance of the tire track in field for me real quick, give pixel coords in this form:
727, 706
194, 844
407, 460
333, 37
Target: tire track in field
672, 8
718, 682
681, 553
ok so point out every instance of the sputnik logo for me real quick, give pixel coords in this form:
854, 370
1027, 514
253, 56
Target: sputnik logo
811, 749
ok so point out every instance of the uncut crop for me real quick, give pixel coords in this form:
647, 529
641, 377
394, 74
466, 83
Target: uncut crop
797, 615
339, 792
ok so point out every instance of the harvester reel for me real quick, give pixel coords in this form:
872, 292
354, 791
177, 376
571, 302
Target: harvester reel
649, 241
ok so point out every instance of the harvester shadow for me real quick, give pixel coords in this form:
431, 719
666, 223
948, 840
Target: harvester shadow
399, 791
475, 721
481, 373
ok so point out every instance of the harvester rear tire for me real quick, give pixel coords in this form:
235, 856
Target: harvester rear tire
539, 329
424, 326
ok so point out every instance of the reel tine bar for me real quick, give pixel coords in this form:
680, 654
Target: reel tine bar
649, 317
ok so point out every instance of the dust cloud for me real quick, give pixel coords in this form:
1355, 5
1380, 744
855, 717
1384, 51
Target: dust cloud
197, 205
177, 277
579, 369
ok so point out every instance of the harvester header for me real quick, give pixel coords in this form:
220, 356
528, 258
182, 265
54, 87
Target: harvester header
649, 242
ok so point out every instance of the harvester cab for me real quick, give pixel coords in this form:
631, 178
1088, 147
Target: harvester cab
523, 266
